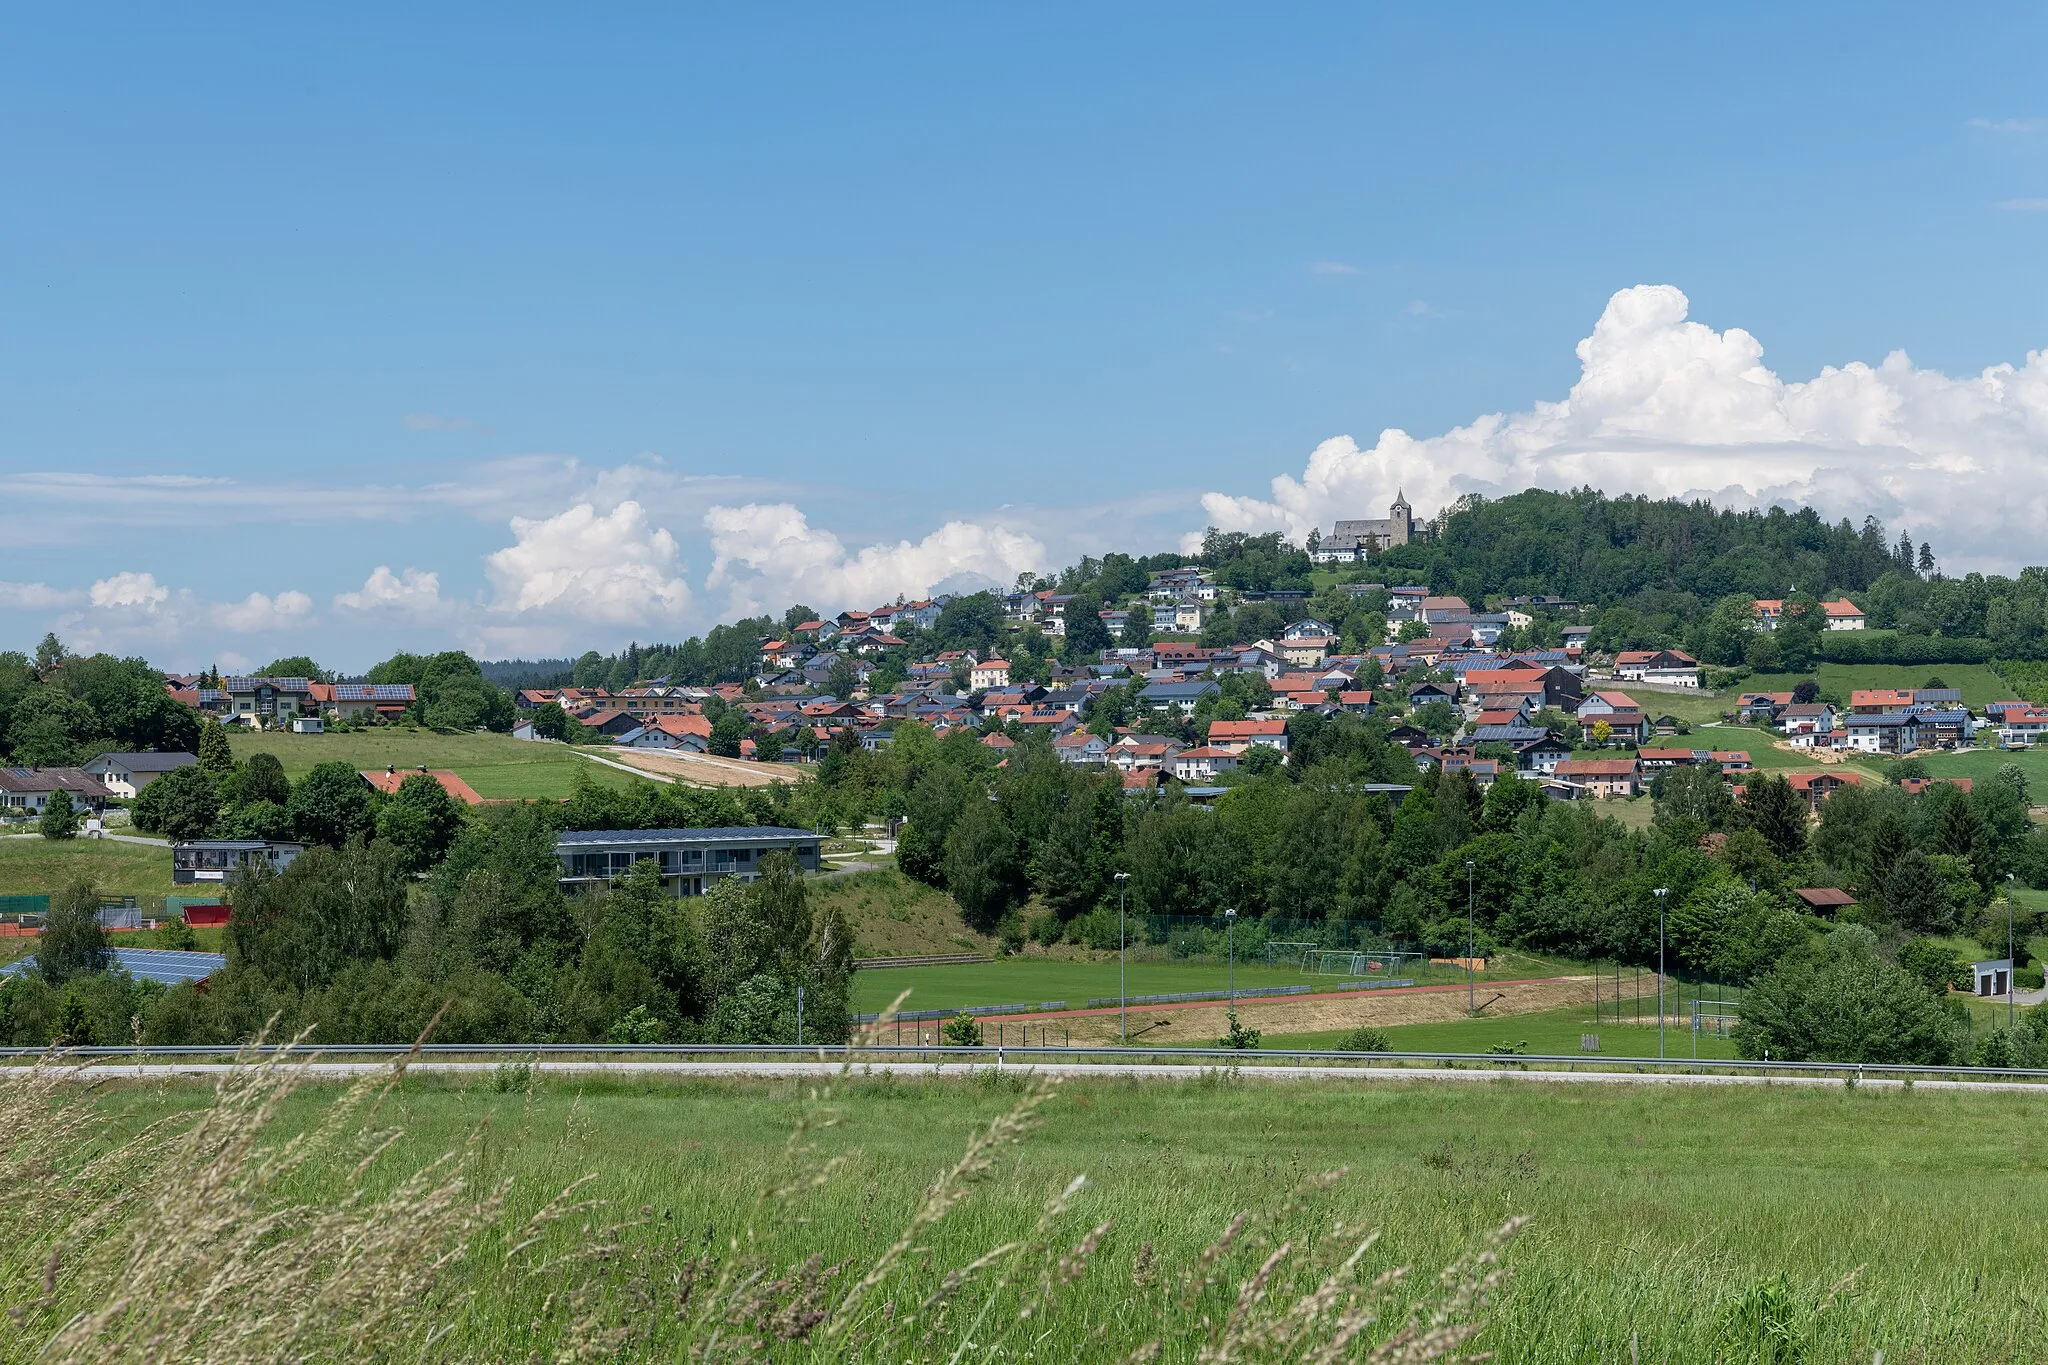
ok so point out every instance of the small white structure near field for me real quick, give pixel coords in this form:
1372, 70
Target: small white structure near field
1993, 978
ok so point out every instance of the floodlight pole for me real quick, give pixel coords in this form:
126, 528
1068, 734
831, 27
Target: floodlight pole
1230, 932
1123, 1034
1662, 892
2012, 964
1471, 936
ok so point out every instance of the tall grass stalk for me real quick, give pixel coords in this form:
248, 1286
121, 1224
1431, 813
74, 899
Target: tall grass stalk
230, 1233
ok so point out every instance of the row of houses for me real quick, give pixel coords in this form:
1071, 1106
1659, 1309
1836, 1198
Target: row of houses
263, 702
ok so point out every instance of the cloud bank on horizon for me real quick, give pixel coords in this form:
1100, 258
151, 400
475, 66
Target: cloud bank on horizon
1663, 406
1671, 408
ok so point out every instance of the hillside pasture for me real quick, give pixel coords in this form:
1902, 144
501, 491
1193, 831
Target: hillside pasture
498, 767
1979, 683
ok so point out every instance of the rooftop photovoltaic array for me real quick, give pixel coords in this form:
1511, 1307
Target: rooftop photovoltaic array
275, 684
147, 964
373, 691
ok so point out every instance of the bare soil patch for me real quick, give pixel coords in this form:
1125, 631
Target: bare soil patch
706, 770
1203, 1023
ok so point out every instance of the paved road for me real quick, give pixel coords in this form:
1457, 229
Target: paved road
656, 1070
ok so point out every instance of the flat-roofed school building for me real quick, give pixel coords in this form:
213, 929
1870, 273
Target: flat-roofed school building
690, 859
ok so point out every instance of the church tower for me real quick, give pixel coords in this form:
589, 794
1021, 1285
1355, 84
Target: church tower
1403, 518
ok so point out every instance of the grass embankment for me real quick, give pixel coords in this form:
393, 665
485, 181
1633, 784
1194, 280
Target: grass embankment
496, 766
37, 867
1656, 1211
1554, 1033
893, 916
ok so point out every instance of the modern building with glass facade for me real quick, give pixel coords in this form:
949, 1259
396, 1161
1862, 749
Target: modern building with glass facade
690, 859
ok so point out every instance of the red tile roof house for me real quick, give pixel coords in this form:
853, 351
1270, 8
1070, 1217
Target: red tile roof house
1605, 778
1083, 748
1133, 758
672, 732
1236, 736
1818, 787
1671, 667
1843, 614
390, 779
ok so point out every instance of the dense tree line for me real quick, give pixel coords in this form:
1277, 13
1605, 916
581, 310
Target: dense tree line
361, 943
60, 709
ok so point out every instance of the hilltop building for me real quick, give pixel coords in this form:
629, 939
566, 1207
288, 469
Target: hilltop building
1351, 541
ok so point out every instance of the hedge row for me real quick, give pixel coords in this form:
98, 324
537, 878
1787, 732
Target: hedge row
1885, 647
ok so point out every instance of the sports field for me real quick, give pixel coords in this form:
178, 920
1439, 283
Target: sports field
1552, 1033
496, 766
1667, 1223
1033, 980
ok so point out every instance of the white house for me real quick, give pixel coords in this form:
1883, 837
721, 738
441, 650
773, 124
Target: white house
1200, 765
1843, 614
1083, 748
1670, 667
989, 673
2023, 728
125, 775
1237, 736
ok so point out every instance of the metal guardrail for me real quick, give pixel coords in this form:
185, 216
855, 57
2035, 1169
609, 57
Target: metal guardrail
1004, 1055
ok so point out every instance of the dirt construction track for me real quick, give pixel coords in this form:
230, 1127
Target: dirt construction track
1321, 1013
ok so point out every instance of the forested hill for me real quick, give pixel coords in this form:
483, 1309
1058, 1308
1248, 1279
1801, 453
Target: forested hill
1595, 549
1649, 572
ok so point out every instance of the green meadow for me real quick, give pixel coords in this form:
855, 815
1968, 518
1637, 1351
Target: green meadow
1665, 1223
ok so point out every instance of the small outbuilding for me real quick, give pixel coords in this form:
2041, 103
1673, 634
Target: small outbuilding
1825, 901
1993, 978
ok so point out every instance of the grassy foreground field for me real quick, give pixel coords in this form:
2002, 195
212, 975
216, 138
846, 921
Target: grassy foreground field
497, 766
1668, 1224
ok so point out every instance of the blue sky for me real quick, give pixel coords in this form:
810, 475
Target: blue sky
604, 328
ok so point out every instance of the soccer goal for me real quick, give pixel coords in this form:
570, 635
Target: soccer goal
1711, 1022
1281, 952
1348, 963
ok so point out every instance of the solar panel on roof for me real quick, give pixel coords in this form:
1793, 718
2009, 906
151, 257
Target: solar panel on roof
164, 965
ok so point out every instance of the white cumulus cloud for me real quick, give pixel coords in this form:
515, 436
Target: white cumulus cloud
37, 597
128, 590
260, 612
1672, 408
769, 555
415, 591
614, 567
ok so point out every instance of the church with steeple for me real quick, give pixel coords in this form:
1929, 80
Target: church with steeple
1351, 541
